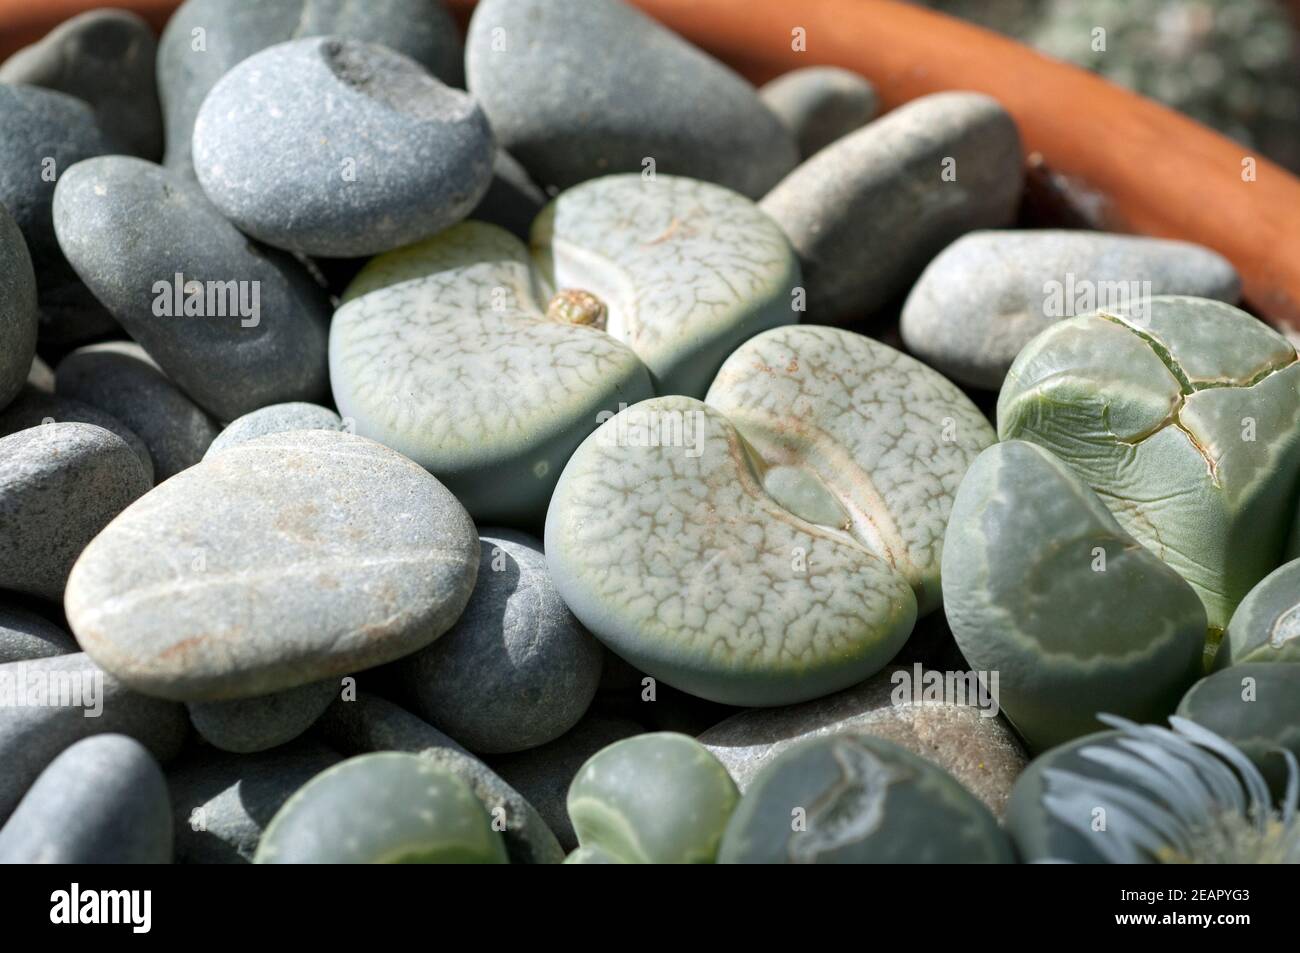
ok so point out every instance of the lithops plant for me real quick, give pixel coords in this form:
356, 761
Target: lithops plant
1149, 794
776, 542
1043, 586
850, 798
1184, 415
1256, 706
489, 366
384, 808
1266, 625
652, 799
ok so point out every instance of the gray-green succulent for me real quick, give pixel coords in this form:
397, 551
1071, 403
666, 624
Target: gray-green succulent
1266, 625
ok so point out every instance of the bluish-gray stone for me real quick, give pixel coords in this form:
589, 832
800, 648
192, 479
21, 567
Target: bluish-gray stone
35, 408
235, 326
820, 104
18, 319
577, 89
27, 635
102, 801
277, 418
396, 156
245, 725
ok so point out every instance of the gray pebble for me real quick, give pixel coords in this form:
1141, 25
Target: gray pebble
868, 212
222, 802
512, 200
102, 801
255, 724
980, 752
543, 775
989, 293
190, 63
106, 58
42, 134
122, 380
35, 408
577, 89
236, 327
277, 418
517, 669
369, 723
289, 559
27, 635
396, 156
60, 484
62, 699
820, 104
18, 320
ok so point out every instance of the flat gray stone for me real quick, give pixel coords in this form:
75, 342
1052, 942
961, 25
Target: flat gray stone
370, 723
867, 213
120, 379
517, 669
106, 58
35, 408
240, 328
246, 725
60, 484
397, 155
989, 293
54, 702
42, 134
27, 635
577, 89
102, 801
222, 802
820, 104
190, 63
277, 418
18, 316
543, 775
979, 751
289, 559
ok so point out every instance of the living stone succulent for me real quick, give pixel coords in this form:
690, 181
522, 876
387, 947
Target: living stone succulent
776, 542
652, 799
1183, 414
1266, 625
851, 798
1043, 586
1149, 794
384, 808
489, 366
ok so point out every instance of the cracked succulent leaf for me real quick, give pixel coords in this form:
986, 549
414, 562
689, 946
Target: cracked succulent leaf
488, 363
1184, 416
657, 798
855, 799
1266, 626
1042, 585
856, 436
663, 541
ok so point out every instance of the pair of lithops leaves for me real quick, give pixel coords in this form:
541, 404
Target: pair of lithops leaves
1145, 483
488, 362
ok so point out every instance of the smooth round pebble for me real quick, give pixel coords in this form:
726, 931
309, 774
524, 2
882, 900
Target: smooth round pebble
18, 315
106, 58
388, 807
245, 725
102, 801
868, 212
986, 296
577, 89
60, 484
277, 418
965, 739
35, 408
397, 155
236, 326
1265, 626
120, 379
517, 669
27, 635
819, 104
653, 799
855, 799
289, 559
